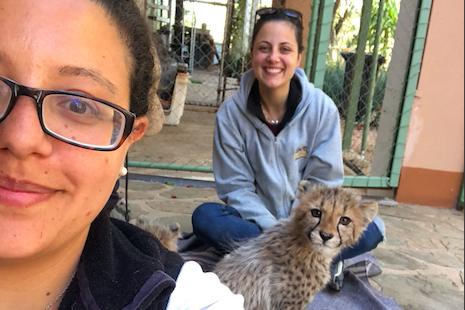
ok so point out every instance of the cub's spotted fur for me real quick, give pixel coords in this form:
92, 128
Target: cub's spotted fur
289, 263
167, 235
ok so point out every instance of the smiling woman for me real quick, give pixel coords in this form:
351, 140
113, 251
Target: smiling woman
277, 130
75, 85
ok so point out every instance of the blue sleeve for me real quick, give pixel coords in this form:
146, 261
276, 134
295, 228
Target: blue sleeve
234, 176
325, 164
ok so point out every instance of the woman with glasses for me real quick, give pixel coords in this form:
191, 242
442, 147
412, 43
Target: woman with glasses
276, 130
76, 80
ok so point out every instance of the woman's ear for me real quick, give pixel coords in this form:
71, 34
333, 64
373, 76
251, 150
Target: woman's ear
140, 127
299, 60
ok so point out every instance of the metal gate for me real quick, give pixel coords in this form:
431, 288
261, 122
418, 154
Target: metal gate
372, 85
210, 37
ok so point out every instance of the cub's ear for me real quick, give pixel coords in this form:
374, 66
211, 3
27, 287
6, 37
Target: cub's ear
175, 227
369, 209
304, 187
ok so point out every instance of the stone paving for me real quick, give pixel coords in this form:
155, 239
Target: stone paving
422, 259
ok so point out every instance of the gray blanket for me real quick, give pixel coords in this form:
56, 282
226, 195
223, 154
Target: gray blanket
356, 293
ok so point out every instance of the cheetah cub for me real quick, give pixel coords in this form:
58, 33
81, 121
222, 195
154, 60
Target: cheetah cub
167, 235
289, 263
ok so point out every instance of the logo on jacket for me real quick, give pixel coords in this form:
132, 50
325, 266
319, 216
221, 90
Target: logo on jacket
301, 153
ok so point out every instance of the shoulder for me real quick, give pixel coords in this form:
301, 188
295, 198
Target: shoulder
314, 98
236, 105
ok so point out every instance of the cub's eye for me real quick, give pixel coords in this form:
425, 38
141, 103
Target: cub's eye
315, 212
345, 220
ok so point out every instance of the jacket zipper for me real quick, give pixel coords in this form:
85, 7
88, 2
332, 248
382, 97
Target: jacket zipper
281, 174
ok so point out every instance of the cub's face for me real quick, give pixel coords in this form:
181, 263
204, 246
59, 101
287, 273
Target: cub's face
332, 218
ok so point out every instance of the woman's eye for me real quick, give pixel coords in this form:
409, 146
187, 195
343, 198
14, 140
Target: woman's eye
345, 220
77, 106
315, 212
81, 106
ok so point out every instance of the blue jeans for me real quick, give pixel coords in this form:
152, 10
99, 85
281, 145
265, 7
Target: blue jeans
222, 227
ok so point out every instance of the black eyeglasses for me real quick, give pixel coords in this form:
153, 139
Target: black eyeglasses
293, 14
74, 118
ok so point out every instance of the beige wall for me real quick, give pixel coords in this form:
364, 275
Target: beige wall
433, 166
436, 134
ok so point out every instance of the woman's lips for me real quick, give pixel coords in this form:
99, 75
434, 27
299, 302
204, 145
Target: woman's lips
18, 194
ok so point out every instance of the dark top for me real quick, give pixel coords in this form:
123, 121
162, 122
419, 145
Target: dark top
293, 100
122, 267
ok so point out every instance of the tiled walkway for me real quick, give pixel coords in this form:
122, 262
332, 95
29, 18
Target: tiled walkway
422, 260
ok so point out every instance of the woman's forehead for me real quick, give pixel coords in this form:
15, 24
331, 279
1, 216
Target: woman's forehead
278, 29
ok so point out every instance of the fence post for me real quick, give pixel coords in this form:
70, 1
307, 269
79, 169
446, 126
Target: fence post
397, 78
221, 90
324, 37
411, 88
320, 35
373, 75
461, 201
357, 75
311, 38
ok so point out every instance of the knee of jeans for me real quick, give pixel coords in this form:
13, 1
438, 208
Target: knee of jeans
202, 213
371, 240
199, 212
378, 221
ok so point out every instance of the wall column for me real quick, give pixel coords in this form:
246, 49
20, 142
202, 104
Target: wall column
433, 165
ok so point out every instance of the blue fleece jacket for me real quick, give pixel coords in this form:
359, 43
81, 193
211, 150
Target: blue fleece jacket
258, 173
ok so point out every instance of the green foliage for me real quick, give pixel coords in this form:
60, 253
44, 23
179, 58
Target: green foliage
237, 29
334, 84
234, 60
378, 97
334, 87
389, 24
345, 27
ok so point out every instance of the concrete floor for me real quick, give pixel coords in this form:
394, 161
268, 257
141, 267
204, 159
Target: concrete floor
422, 259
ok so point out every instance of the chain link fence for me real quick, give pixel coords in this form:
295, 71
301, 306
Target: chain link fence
209, 39
357, 84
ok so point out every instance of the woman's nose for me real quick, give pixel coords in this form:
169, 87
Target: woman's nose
273, 56
21, 132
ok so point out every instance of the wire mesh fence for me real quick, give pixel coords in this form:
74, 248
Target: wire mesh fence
208, 39
364, 74
359, 55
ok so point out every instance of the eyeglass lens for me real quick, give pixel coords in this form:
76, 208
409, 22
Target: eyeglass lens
82, 120
5, 95
75, 119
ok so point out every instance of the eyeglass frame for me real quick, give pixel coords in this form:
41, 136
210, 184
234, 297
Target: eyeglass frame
38, 94
294, 14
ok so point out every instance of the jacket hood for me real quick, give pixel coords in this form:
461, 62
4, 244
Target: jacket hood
240, 98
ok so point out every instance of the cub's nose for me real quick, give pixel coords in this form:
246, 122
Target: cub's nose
325, 236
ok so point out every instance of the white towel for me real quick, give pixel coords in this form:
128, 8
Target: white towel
198, 290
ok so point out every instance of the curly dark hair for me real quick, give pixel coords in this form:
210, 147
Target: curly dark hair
145, 64
279, 14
